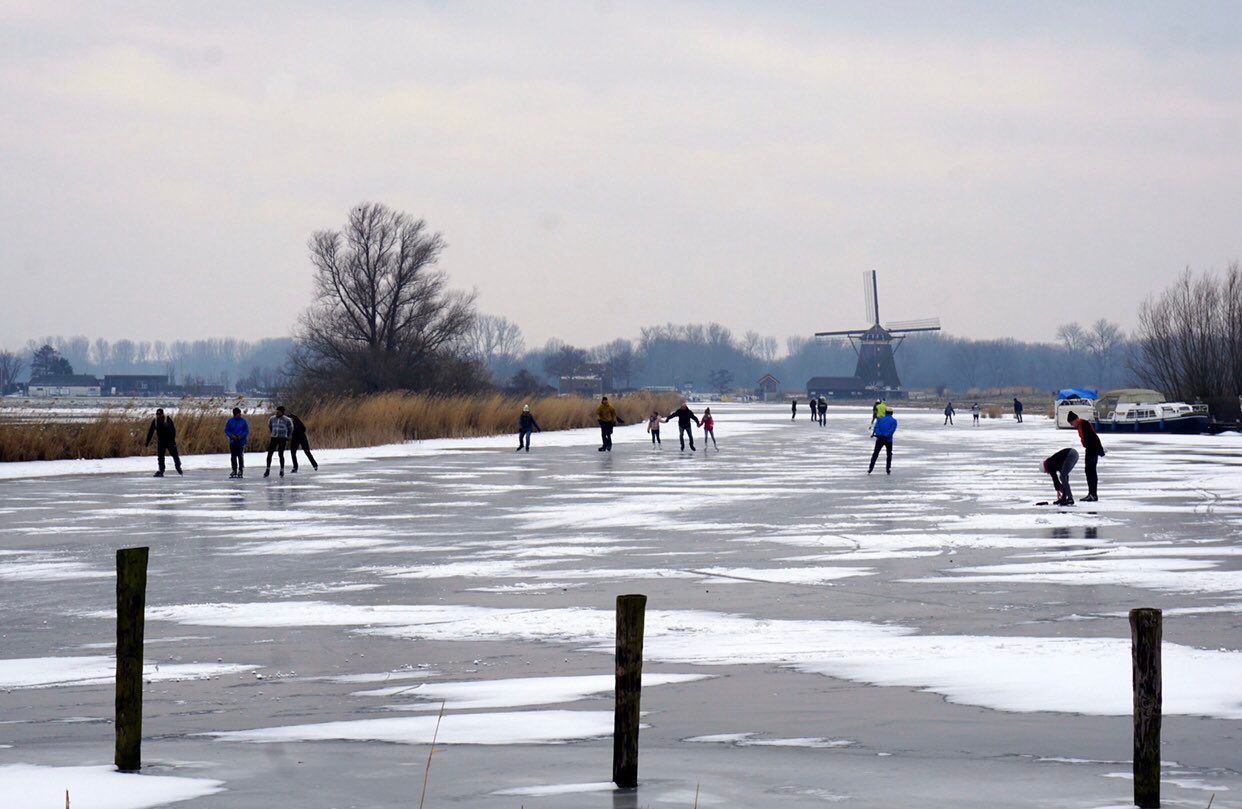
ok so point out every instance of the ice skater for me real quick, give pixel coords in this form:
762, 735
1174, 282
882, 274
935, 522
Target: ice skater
280, 427
793, 410
165, 433
709, 429
877, 412
823, 411
684, 416
974, 413
1095, 450
526, 426
237, 429
608, 419
885, 426
298, 440
1061, 463
653, 426
814, 405
948, 413
1017, 409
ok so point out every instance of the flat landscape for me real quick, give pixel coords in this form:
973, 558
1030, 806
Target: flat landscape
815, 636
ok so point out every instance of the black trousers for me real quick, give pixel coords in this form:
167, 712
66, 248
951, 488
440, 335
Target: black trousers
299, 442
655, 436
237, 457
1093, 478
605, 431
277, 445
171, 449
885, 443
683, 433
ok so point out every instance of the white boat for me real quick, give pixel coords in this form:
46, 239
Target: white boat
1146, 411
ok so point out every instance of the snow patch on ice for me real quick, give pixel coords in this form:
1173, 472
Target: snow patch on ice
97, 787
523, 727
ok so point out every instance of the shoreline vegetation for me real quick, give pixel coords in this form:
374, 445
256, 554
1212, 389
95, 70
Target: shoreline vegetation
362, 421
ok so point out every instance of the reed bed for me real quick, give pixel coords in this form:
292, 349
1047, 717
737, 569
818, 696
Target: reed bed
365, 421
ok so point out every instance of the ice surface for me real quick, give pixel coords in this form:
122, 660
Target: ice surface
1008, 673
918, 613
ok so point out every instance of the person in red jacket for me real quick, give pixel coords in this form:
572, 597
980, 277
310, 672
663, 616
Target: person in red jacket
709, 429
1095, 450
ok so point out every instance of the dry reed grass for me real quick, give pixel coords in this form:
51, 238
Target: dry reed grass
348, 422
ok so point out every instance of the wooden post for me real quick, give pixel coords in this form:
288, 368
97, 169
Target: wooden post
131, 600
1145, 635
631, 611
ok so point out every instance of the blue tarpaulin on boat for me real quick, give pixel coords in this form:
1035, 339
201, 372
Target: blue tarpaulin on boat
1079, 393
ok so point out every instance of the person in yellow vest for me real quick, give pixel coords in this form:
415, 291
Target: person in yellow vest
608, 419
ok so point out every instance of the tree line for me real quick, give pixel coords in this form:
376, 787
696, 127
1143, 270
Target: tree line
384, 317
235, 364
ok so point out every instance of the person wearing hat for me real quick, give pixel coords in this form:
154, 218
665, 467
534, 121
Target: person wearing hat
1061, 463
526, 426
608, 419
1095, 450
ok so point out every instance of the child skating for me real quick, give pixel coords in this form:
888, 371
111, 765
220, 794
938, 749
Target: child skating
653, 426
709, 429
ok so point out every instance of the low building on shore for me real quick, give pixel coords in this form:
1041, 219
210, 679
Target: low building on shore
43, 387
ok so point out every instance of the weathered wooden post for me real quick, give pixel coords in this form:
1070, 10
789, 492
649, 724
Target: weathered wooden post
1146, 637
631, 613
131, 601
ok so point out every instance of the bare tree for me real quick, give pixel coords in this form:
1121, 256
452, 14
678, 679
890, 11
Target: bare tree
621, 359
564, 361
1072, 336
11, 366
1103, 343
382, 316
758, 346
721, 380
1189, 338
967, 359
494, 340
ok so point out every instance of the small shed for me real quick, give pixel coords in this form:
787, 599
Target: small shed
768, 388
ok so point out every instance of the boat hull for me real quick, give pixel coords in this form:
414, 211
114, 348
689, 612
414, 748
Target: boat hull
1186, 425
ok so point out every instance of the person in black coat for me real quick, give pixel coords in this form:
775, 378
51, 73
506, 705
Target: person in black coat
298, 440
1059, 466
526, 426
165, 434
684, 416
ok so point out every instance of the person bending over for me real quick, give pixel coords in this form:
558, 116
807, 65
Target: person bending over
1059, 466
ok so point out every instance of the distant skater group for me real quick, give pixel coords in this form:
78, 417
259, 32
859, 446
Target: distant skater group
286, 432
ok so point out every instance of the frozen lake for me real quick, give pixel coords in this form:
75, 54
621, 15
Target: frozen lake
815, 635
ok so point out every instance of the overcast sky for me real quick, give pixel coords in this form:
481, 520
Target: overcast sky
599, 167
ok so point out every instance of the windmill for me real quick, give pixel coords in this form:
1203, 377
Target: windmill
876, 344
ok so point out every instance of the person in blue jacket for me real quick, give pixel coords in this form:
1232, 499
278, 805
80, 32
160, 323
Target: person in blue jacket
238, 430
885, 426
526, 426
